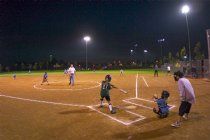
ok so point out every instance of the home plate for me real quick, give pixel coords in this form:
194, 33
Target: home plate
130, 107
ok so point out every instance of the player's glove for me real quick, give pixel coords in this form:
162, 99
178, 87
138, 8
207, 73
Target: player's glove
155, 96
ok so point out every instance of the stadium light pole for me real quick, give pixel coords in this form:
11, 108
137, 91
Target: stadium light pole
131, 55
186, 10
161, 46
135, 46
87, 39
145, 57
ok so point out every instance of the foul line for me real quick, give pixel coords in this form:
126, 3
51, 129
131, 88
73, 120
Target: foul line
137, 85
39, 101
145, 81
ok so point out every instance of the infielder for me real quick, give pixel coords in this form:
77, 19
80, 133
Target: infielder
168, 70
45, 78
72, 72
14, 76
156, 70
121, 72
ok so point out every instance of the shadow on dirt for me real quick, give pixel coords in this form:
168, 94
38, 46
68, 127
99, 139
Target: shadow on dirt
75, 111
156, 133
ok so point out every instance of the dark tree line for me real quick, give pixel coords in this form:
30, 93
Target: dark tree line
53, 64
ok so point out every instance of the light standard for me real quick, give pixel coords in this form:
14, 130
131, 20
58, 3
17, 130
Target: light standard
136, 45
160, 41
86, 38
185, 10
131, 55
145, 58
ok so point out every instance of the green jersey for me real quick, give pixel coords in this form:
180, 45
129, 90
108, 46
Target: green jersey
105, 87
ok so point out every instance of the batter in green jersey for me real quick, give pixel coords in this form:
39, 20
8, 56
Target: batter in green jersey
105, 87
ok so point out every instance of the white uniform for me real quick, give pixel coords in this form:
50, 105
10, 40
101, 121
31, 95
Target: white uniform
71, 72
168, 68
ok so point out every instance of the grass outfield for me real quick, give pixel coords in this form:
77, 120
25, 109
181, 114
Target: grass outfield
32, 73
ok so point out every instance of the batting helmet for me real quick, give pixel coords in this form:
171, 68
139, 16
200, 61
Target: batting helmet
108, 76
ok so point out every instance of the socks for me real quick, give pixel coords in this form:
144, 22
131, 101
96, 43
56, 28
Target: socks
101, 102
110, 107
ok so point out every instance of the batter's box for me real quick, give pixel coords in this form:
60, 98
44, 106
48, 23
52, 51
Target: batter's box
122, 116
148, 104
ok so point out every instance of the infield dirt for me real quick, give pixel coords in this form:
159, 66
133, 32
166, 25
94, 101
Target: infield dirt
30, 111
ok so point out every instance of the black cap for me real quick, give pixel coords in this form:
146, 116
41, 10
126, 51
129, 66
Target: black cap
178, 75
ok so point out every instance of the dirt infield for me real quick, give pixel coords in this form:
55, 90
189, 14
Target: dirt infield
30, 111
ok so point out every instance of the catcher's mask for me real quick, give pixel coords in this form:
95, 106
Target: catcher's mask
108, 77
165, 94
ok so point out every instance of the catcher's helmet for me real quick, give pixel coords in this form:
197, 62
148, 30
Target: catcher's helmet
165, 94
108, 76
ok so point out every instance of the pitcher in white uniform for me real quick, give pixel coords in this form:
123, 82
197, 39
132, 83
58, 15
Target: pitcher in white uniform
72, 72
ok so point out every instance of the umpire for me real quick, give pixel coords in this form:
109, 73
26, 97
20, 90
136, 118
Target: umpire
187, 97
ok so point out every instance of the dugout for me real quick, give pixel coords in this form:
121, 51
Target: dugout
196, 68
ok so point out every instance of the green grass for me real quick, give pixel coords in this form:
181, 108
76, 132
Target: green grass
129, 71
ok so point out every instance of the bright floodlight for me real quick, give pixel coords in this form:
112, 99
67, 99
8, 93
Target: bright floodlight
87, 38
131, 51
161, 40
145, 51
185, 9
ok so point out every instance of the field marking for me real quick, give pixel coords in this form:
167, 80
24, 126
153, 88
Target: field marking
128, 101
77, 105
136, 114
119, 121
99, 84
145, 81
122, 90
137, 85
41, 101
140, 105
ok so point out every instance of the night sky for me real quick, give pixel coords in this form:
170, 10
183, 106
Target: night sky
32, 30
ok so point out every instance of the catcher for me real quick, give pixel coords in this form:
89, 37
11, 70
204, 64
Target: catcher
162, 108
104, 93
